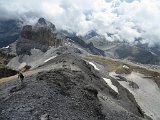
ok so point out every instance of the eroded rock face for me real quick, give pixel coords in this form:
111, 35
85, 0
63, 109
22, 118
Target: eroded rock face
43, 35
5, 72
40, 36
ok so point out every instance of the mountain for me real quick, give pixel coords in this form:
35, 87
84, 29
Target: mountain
134, 53
89, 35
9, 32
69, 78
40, 36
36, 40
80, 41
70, 89
139, 53
99, 42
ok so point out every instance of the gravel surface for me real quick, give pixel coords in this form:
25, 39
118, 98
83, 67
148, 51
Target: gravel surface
68, 89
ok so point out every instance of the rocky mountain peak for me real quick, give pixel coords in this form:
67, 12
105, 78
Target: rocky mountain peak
43, 32
42, 21
39, 36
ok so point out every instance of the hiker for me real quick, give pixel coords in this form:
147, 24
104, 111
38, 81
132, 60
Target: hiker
20, 75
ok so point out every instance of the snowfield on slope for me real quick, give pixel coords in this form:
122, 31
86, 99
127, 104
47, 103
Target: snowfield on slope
109, 82
95, 67
147, 96
6, 46
49, 59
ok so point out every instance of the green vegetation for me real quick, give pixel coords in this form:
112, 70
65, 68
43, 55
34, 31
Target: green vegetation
2, 66
117, 66
110, 64
123, 70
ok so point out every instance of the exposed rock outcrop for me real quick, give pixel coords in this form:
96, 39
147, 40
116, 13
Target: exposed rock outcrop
5, 72
40, 36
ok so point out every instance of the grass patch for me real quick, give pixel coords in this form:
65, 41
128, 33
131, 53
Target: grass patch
117, 66
110, 64
149, 73
2, 66
123, 70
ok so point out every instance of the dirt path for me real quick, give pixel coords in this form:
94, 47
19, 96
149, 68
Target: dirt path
28, 73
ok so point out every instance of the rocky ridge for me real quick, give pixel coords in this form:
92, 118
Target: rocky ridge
69, 89
63, 84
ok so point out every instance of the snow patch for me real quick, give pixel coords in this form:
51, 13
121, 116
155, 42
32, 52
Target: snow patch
153, 53
49, 59
147, 96
6, 47
95, 67
125, 66
109, 82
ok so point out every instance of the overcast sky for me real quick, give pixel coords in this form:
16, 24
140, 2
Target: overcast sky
126, 19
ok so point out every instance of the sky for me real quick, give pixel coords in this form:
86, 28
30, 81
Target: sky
124, 19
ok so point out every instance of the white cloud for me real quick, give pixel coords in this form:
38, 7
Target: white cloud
126, 19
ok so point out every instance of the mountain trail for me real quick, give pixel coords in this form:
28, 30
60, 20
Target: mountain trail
15, 77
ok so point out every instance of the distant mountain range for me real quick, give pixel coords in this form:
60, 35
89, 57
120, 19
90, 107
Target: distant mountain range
9, 32
137, 52
44, 34
76, 77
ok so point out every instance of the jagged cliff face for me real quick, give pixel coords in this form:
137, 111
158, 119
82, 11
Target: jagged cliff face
40, 36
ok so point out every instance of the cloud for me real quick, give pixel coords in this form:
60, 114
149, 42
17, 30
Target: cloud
125, 19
